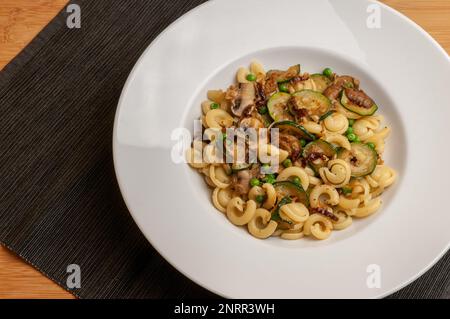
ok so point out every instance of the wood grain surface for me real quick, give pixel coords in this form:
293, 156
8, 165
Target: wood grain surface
21, 20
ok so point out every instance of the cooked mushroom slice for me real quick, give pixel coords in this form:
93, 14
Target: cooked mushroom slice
347, 81
273, 77
333, 91
251, 122
245, 99
291, 144
241, 181
359, 97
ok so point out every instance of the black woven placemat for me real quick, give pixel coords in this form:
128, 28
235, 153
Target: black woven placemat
59, 200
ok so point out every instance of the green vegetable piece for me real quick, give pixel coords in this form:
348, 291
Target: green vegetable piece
260, 198
283, 88
346, 190
255, 182
287, 163
270, 178
351, 137
251, 77
263, 110
328, 72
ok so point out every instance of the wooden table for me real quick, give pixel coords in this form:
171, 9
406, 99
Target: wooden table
21, 20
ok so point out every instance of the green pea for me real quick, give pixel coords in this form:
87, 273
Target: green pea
328, 72
287, 163
255, 182
251, 77
260, 198
357, 140
214, 106
346, 190
302, 142
351, 137
351, 122
283, 87
349, 131
263, 110
371, 145
296, 181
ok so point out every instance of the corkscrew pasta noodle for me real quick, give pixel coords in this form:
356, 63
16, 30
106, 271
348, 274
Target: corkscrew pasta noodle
261, 225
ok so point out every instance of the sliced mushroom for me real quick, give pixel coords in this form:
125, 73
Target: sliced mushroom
291, 144
344, 80
251, 122
333, 91
273, 77
359, 97
245, 98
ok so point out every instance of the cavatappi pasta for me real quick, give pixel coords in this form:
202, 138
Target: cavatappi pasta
321, 169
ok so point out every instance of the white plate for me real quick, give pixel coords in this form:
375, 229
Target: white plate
400, 65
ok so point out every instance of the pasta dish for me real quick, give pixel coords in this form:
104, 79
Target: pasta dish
292, 154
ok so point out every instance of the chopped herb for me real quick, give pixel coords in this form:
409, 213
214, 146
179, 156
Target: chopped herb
328, 72
346, 190
269, 178
263, 110
287, 163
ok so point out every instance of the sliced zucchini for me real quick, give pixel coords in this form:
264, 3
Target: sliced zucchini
361, 158
283, 76
267, 119
315, 152
321, 81
348, 114
291, 190
293, 129
240, 167
316, 103
277, 106
323, 117
355, 108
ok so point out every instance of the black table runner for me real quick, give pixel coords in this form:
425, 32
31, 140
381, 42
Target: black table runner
59, 201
